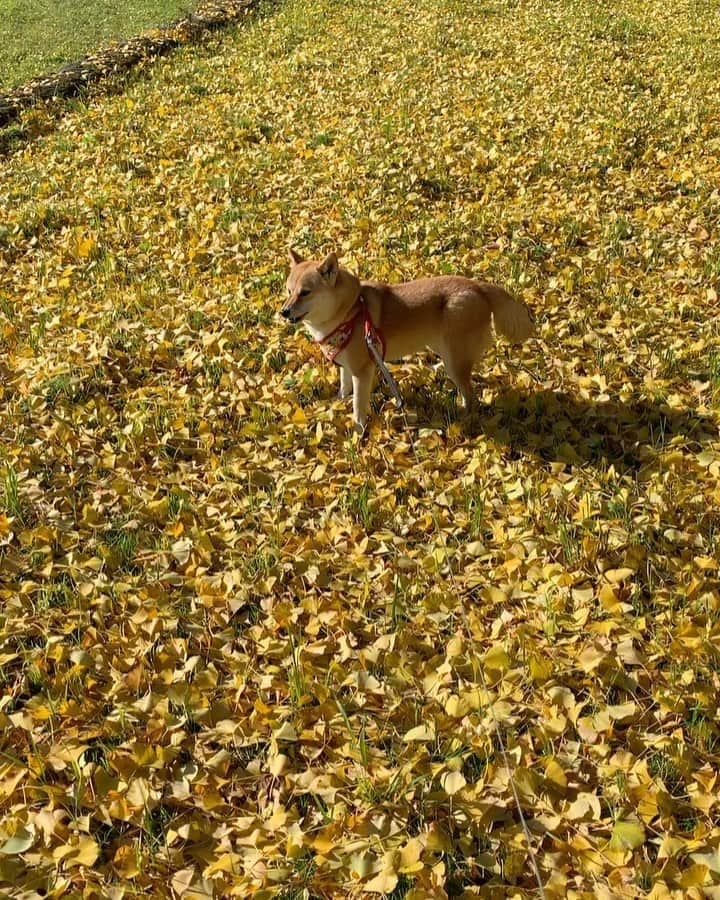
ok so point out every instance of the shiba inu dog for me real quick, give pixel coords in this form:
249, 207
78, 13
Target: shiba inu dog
449, 314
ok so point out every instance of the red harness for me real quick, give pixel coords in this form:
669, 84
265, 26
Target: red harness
338, 339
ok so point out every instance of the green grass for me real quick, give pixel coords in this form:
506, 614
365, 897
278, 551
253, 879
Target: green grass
40, 36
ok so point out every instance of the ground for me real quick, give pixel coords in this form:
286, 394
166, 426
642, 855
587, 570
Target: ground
244, 654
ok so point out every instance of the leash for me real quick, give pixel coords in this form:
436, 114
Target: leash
337, 340
331, 346
476, 662
385, 372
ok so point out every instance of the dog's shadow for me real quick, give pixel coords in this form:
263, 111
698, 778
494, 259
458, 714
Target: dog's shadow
556, 426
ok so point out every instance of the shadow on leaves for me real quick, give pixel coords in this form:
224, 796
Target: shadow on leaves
557, 426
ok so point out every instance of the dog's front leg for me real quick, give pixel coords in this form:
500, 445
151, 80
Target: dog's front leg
362, 388
346, 383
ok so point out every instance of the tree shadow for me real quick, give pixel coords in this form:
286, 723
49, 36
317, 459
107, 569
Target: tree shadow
559, 427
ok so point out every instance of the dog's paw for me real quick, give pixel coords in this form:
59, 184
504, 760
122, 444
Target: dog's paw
360, 432
472, 424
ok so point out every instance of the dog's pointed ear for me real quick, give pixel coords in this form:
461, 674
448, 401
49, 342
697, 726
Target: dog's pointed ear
295, 258
328, 268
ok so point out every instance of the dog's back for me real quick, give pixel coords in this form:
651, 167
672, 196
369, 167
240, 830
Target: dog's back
448, 310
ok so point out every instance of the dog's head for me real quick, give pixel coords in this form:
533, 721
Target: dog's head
311, 291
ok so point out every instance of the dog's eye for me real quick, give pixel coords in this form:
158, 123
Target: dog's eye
304, 292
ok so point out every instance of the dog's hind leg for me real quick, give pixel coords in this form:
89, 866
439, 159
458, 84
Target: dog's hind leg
460, 371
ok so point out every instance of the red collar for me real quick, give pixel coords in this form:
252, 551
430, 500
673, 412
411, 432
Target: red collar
338, 339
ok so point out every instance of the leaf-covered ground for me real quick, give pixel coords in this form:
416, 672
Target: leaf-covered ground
242, 655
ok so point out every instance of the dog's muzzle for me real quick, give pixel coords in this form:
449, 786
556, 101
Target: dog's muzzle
287, 312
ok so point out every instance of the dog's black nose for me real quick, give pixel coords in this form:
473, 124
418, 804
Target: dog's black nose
285, 313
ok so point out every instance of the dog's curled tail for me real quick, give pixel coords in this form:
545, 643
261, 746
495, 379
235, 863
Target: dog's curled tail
511, 317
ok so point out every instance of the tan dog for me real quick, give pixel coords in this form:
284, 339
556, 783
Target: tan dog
450, 315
